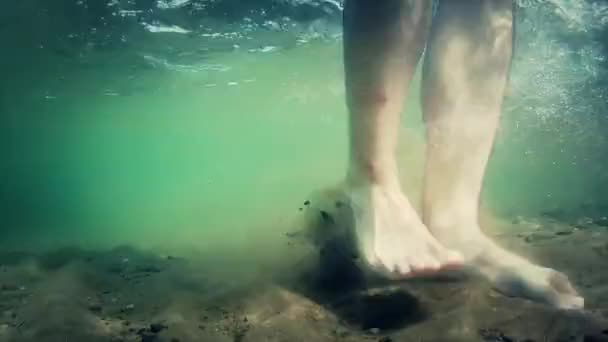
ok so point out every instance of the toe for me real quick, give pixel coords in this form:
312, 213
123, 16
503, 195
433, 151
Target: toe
545, 290
566, 302
567, 296
417, 264
573, 302
401, 271
451, 259
433, 264
561, 283
424, 265
448, 259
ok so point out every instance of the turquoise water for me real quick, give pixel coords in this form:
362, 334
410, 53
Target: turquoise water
170, 140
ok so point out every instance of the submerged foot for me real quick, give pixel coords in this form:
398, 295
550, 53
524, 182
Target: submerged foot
391, 237
509, 273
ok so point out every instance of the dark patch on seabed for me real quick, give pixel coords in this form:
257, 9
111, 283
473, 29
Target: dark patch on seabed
125, 294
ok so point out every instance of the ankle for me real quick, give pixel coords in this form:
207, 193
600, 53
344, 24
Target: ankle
446, 223
454, 229
449, 212
373, 174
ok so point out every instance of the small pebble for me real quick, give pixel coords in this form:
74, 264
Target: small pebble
374, 331
307, 202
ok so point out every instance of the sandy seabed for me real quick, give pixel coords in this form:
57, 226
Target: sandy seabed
125, 294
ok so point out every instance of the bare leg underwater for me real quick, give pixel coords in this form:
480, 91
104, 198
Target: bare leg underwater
467, 61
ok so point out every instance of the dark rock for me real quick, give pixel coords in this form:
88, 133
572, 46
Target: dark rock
95, 308
385, 339
307, 202
147, 269
595, 338
327, 219
157, 327
339, 204
148, 337
564, 232
174, 340
9, 287
494, 335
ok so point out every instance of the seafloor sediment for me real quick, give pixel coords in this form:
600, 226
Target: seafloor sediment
124, 294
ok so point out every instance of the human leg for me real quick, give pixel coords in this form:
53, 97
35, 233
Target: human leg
465, 74
383, 42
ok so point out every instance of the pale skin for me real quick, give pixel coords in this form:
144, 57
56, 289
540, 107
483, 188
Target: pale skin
466, 66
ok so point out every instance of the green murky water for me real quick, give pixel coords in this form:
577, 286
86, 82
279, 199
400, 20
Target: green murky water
176, 139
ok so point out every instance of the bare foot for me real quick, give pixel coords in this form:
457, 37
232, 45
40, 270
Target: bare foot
509, 273
391, 237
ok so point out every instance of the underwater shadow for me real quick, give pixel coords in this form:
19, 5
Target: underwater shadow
335, 279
